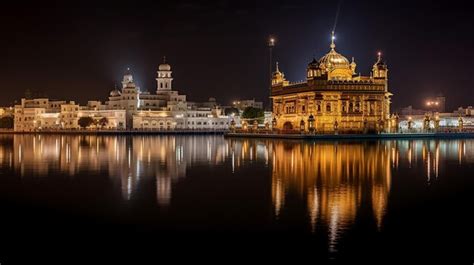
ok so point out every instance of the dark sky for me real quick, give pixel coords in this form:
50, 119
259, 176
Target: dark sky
78, 50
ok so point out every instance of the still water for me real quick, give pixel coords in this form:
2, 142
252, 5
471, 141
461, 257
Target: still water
329, 200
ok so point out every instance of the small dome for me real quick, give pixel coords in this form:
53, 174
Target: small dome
164, 67
115, 93
380, 63
277, 74
314, 64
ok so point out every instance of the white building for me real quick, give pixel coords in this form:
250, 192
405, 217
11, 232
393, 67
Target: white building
165, 109
128, 107
42, 114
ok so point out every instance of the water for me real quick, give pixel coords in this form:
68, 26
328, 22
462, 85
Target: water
322, 200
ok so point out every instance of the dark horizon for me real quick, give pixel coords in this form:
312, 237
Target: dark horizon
218, 49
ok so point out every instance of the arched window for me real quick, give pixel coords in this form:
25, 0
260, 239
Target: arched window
328, 107
161, 85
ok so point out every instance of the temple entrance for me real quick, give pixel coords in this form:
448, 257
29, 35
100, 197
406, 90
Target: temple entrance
287, 126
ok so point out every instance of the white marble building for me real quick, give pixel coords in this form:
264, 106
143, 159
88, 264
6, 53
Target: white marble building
126, 108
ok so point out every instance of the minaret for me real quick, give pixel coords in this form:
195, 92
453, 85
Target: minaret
379, 70
127, 78
164, 78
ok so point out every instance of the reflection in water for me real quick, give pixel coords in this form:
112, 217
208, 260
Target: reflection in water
332, 180
126, 159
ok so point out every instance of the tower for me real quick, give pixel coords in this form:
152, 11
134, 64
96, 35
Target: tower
127, 78
379, 70
164, 78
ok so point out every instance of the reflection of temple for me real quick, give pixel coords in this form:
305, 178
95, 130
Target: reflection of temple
335, 179
129, 161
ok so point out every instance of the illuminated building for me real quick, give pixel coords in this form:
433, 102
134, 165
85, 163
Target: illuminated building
128, 107
334, 95
42, 114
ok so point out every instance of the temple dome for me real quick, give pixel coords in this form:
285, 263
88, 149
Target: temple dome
164, 66
333, 60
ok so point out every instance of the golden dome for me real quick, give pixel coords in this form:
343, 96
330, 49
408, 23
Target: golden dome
333, 60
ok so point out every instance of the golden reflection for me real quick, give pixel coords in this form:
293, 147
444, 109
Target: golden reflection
333, 181
333, 177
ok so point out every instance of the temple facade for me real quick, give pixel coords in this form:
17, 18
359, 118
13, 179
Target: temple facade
334, 97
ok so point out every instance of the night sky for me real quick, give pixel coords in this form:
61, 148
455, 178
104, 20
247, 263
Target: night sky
79, 50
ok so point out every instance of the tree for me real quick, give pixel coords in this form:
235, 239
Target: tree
85, 122
231, 110
254, 114
103, 122
6, 122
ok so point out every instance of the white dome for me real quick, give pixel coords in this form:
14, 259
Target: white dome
164, 67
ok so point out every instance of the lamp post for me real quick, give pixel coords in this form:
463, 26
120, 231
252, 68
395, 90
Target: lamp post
271, 44
274, 124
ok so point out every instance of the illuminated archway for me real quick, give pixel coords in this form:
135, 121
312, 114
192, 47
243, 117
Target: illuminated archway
287, 126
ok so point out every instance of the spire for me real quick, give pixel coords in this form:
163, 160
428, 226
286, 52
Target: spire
379, 57
333, 37
164, 59
277, 69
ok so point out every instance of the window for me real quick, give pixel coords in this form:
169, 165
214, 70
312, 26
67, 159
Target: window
328, 107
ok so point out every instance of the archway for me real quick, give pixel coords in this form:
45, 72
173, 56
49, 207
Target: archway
287, 126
